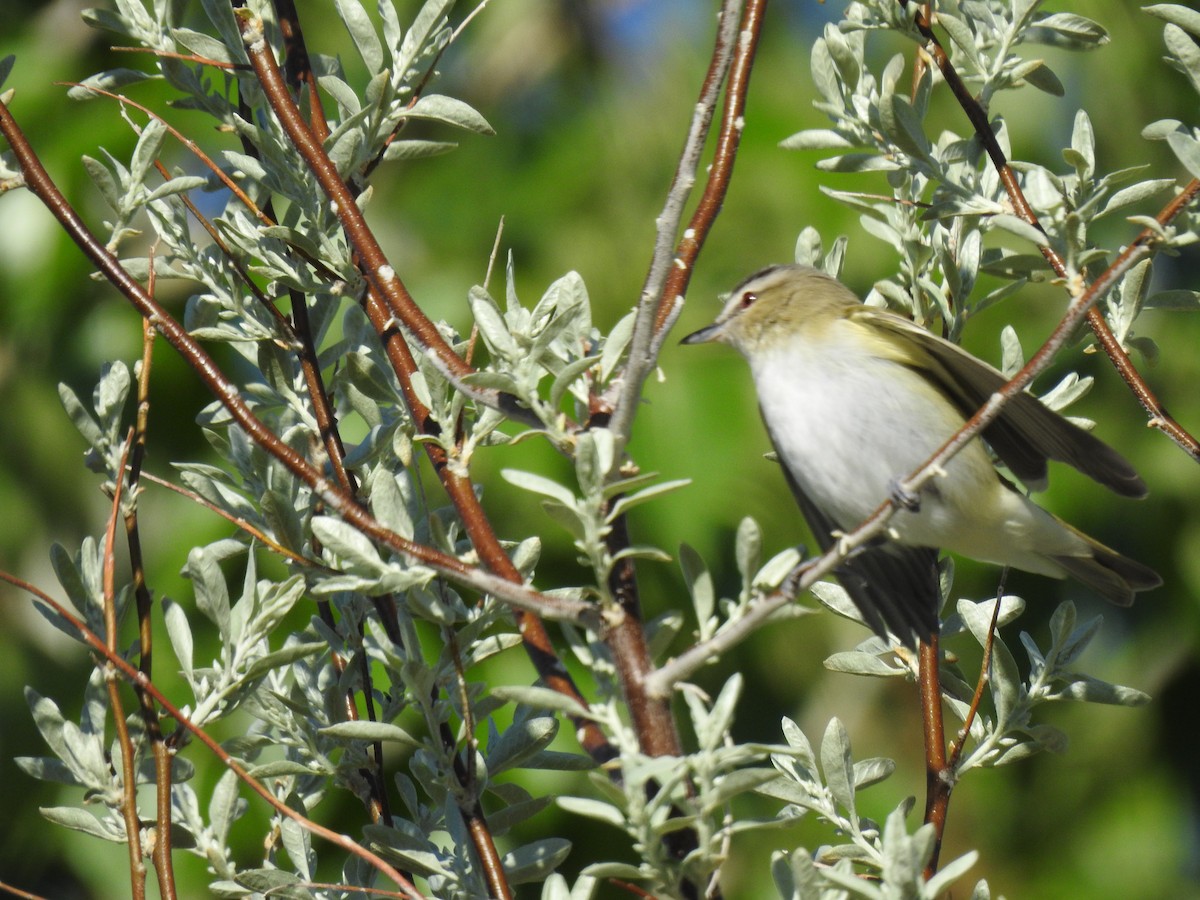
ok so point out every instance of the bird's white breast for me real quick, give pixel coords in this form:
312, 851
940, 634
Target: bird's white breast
849, 424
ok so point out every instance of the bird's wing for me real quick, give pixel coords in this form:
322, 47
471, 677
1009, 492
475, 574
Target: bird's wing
894, 587
1027, 432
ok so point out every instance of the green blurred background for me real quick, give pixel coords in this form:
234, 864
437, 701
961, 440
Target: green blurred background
590, 103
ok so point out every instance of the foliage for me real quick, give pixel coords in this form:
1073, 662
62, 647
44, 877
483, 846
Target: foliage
422, 650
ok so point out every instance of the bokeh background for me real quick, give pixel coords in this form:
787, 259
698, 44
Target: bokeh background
590, 102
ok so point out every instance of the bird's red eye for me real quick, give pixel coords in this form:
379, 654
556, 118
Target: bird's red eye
747, 298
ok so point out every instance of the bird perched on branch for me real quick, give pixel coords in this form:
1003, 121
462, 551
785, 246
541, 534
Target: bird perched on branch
855, 398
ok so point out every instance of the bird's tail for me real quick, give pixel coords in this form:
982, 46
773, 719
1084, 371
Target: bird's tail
1115, 577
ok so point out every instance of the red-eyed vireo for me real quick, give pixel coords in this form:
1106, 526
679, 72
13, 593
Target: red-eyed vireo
856, 398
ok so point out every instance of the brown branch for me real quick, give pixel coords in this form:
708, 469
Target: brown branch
375, 268
938, 775
1158, 416
140, 681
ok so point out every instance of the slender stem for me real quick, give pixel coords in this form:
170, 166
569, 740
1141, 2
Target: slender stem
938, 784
129, 808
163, 865
640, 362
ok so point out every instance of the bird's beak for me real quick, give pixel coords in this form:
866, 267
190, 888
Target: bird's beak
704, 335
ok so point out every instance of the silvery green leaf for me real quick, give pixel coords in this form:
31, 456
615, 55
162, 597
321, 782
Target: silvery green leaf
1158, 131
643, 551
1041, 76
614, 345
80, 416
519, 742
225, 807
79, 820
104, 181
748, 549
1184, 49
1136, 193
212, 593
977, 617
824, 73
1067, 391
981, 892
370, 731
1012, 357
838, 767
700, 587
540, 698
279, 659
905, 128
274, 883
179, 632
1020, 228
111, 80
858, 162
963, 38
534, 861
415, 148
855, 662
593, 809
1092, 690
440, 108
799, 743
816, 139
1185, 18
177, 185
808, 247
539, 484
950, 872
348, 543
872, 771
281, 768
1174, 300
1069, 31
776, 569
834, 597
629, 501
569, 378
1186, 149
388, 501
491, 324
205, 45
362, 31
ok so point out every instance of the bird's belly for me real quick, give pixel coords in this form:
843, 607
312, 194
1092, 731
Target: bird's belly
848, 434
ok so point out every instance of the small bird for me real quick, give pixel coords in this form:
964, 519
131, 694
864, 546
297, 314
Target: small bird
855, 398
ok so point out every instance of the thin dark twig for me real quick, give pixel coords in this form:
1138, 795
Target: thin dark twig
1159, 417
185, 57
985, 676
161, 851
129, 808
139, 680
